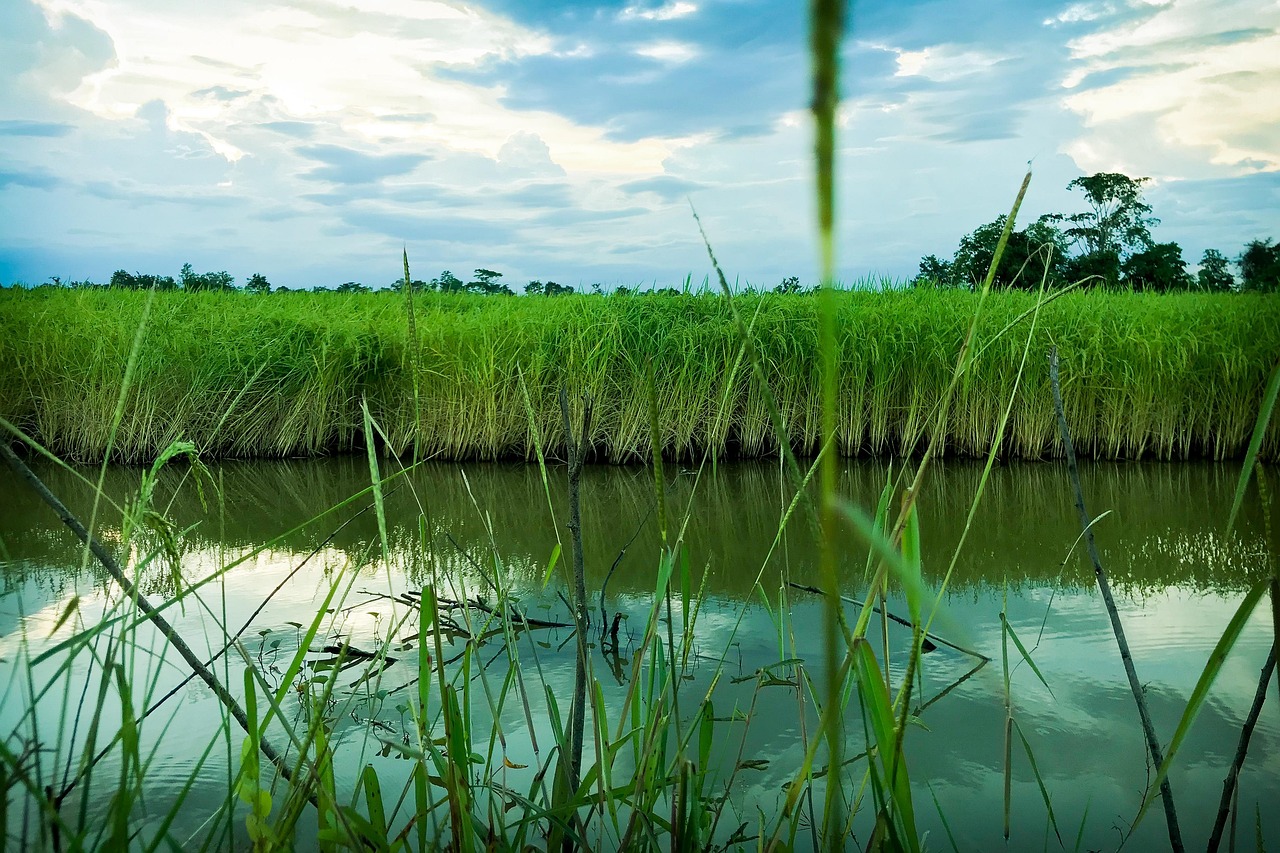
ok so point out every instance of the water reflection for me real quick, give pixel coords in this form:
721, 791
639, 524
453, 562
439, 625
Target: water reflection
1165, 522
466, 528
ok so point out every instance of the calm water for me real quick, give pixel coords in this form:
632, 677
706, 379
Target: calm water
1177, 579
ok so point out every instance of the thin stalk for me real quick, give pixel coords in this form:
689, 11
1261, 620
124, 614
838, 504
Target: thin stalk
577, 714
113, 568
1104, 587
1246, 732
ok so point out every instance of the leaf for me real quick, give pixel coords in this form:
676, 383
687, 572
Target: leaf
1022, 650
1211, 669
551, 564
507, 762
1255, 443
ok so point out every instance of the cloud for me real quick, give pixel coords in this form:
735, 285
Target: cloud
21, 127
1202, 93
666, 187
527, 153
35, 179
347, 166
670, 11
221, 93
296, 129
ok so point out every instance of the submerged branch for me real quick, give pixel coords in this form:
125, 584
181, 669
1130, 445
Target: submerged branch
113, 568
906, 623
1246, 733
1153, 743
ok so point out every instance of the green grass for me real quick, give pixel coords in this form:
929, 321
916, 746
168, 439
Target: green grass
1162, 376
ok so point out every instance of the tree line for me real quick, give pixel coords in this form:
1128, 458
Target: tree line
1110, 244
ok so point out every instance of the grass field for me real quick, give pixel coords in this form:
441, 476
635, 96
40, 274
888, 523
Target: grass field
1164, 376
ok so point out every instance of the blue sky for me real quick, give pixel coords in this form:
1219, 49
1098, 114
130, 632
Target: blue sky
309, 141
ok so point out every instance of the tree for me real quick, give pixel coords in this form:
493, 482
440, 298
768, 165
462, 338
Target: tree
1158, 267
550, 288
1215, 274
791, 284
1119, 220
486, 281
194, 281
934, 272
1029, 256
448, 283
352, 287
1093, 269
1260, 267
257, 283
142, 281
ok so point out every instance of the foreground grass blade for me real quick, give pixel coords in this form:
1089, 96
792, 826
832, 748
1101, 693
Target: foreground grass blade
1265, 413
1198, 695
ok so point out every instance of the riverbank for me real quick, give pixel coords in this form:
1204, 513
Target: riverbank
241, 375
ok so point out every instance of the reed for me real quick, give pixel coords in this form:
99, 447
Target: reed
1156, 376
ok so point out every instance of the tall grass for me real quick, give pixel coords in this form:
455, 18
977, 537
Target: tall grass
1158, 376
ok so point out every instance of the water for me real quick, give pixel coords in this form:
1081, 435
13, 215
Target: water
1178, 580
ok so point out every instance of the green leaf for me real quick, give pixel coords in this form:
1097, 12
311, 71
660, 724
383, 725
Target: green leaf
1211, 669
1255, 443
1022, 650
551, 564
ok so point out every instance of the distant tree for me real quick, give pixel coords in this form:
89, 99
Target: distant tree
1260, 267
620, 290
283, 289
1092, 270
257, 283
1028, 256
1158, 267
1215, 272
790, 284
448, 283
550, 288
486, 281
142, 281
1119, 220
352, 287
597, 288
194, 281
417, 285
934, 272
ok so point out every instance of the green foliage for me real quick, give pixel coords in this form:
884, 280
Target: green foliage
1093, 269
1215, 272
1164, 375
486, 281
1260, 267
257, 283
136, 281
1118, 220
791, 284
192, 281
352, 287
934, 272
1158, 267
1029, 256
549, 288
447, 282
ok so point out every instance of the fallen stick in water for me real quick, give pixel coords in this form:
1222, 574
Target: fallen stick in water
927, 645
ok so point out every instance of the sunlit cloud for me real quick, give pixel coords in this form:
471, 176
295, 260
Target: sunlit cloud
1199, 80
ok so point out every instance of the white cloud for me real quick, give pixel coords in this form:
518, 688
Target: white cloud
673, 52
666, 12
943, 63
1202, 100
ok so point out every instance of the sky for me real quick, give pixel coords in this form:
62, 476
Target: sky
570, 141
